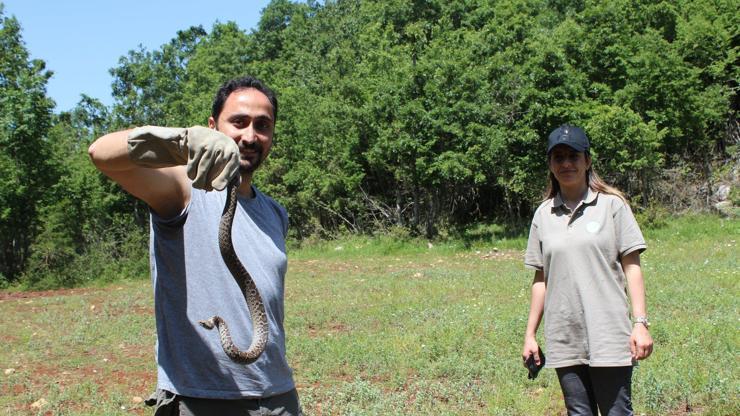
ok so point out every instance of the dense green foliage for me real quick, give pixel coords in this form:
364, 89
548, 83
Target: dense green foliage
425, 115
25, 169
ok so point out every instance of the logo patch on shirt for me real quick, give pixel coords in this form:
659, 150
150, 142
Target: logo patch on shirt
593, 227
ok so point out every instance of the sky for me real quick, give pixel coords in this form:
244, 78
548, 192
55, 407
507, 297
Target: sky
80, 40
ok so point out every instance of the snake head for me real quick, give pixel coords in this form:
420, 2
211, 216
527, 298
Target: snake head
207, 324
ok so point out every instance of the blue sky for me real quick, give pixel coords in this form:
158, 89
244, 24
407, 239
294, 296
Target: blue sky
80, 40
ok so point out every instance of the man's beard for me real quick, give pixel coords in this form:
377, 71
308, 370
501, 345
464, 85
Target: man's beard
255, 159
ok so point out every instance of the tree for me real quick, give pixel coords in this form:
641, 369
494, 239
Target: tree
25, 173
148, 86
82, 213
427, 114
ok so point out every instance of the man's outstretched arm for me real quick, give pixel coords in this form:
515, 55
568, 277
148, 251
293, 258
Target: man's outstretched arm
148, 163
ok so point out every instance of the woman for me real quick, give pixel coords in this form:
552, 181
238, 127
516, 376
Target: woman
584, 245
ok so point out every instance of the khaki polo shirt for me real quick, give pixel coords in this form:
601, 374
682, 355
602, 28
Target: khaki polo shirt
586, 309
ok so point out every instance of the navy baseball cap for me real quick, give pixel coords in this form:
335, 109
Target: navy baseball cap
569, 135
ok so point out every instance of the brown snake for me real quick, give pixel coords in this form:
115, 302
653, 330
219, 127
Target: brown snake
247, 287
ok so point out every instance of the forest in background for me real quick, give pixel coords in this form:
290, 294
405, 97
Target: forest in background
416, 117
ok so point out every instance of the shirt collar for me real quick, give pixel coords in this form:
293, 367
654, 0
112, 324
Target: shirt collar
590, 198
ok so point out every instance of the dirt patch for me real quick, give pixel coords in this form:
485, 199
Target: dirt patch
327, 329
131, 384
687, 409
6, 295
494, 254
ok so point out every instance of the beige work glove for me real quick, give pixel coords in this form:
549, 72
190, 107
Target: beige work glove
212, 158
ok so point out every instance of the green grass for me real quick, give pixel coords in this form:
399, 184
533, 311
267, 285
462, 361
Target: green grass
378, 326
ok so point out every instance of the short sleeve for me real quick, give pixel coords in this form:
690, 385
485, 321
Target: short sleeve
533, 258
627, 231
285, 220
174, 223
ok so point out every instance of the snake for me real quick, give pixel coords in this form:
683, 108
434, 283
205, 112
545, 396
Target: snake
247, 287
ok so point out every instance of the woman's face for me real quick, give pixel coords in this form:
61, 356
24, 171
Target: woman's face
569, 166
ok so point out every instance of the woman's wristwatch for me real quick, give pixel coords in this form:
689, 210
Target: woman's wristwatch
642, 320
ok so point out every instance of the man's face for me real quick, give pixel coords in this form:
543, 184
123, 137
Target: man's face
247, 118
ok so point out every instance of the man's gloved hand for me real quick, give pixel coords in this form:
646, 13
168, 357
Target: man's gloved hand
212, 158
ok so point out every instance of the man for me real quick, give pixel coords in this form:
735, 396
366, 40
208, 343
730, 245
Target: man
190, 280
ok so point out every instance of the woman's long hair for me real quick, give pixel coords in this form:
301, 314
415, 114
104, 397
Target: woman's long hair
593, 180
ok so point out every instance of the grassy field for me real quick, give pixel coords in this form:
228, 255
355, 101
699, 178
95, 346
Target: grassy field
381, 327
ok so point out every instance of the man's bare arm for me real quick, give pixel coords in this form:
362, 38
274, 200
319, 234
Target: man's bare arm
166, 190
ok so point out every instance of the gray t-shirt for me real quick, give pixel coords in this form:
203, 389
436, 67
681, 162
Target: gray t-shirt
192, 283
586, 309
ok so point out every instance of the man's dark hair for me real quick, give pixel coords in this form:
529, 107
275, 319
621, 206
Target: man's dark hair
240, 84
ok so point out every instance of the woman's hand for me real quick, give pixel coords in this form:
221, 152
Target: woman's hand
530, 348
641, 343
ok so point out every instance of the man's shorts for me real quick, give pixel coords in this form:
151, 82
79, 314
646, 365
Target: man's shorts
169, 404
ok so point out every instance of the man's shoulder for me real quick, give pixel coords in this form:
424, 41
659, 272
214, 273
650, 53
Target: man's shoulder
268, 202
268, 199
